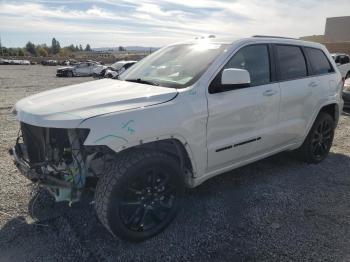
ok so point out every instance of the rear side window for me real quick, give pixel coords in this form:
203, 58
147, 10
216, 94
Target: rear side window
319, 62
291, 62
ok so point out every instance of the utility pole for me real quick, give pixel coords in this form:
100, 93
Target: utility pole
2, 52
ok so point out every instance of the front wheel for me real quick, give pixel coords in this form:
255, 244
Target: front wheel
319, 140
69, 74
140, 195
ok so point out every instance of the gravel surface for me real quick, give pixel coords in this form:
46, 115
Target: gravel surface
276, 209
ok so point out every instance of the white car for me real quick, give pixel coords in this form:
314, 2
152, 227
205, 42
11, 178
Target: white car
113, 70
184, 114
343, 63
118, 68
79, 69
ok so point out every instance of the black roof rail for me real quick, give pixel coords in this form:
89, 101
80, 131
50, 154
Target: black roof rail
269, 36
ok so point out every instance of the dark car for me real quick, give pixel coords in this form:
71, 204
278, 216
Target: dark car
346, 93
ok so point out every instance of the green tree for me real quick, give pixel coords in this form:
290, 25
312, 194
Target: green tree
30, 47
120, 48
71, 48
41, 51
80, 47
20, 52
55, 46
77, 48
88, 48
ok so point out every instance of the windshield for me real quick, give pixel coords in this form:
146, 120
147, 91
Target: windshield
175, 66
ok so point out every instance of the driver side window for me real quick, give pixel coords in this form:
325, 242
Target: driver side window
255, 59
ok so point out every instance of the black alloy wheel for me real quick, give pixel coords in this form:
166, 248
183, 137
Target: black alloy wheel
322, 139
140, 194
148, 200
318, 141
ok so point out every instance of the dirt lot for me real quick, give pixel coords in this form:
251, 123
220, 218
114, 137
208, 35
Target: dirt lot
276, 209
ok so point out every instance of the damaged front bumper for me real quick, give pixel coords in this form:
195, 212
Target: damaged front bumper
60, 189
30, 172
53, 159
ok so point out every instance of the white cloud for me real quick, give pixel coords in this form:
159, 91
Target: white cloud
164, 21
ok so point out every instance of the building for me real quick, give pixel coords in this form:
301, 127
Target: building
337, 35
337, 29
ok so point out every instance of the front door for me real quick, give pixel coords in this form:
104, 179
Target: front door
241, 121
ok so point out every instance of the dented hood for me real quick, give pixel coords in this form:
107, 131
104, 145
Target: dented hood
67, 107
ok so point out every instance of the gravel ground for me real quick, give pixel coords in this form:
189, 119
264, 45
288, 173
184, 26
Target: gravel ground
276, 209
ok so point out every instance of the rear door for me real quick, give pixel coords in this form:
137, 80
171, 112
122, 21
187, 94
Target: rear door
298, 91
321, 67
242, 120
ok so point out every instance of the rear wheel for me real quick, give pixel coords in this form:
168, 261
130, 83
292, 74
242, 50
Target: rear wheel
69, 74
347, 75
140, 195
319, 140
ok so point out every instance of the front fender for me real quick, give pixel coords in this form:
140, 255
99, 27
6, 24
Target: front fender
126, 129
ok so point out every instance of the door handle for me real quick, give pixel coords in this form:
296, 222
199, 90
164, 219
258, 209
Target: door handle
269, 92
313, 84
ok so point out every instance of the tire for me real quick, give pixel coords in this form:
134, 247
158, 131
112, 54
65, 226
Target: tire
347, 75
140, 194
319, 140
69, 74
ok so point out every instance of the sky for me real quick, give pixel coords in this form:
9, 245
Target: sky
111, 23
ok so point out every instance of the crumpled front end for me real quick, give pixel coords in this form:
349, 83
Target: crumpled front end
54, 158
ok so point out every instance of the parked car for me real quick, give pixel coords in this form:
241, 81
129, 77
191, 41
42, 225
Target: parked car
343, 63
184, 114
118, 68
113, 70
49, 62
79, 69
14, 62
346, 93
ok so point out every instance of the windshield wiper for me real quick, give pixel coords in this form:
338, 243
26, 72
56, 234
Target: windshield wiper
142, 81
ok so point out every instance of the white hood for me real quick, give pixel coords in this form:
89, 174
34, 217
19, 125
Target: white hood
67, 107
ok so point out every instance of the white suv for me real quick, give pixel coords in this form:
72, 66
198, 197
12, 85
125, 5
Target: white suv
182, 115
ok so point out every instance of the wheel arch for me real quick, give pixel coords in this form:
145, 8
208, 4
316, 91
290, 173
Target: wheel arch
333, 110
175, 146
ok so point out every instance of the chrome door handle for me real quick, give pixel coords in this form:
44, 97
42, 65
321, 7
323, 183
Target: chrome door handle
269, 92
313, 84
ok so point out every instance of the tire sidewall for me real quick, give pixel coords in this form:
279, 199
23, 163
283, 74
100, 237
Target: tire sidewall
114, 211
320, 118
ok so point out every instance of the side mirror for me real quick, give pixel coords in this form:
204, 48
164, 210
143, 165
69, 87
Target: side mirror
235, 76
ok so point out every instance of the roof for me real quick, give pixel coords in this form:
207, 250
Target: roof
254, 39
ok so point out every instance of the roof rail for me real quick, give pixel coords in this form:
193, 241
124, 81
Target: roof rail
269, 36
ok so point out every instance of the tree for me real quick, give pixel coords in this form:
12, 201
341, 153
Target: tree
71, 48
80, 47
20, 52
41, 51
30, 47
88, 48
120, 48
55, 46
77, 48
